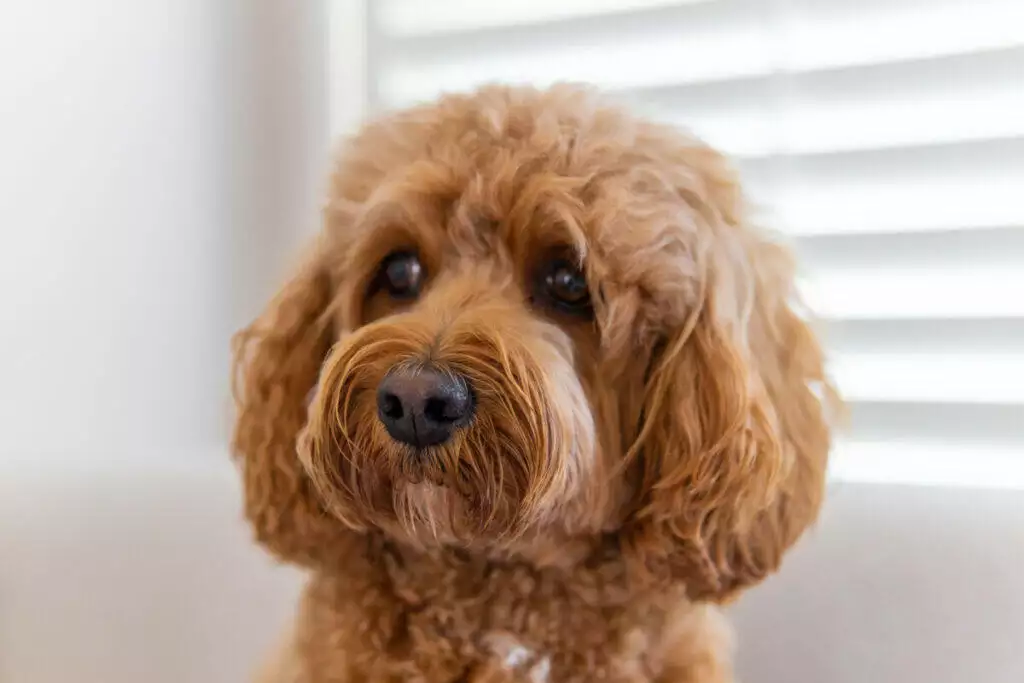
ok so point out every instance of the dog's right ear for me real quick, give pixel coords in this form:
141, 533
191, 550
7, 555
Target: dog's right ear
276, 363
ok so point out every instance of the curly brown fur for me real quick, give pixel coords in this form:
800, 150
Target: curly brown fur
625, 470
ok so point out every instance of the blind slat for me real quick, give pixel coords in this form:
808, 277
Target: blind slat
897, 293
807, 127
903, 206
817, 35
952, 422
930, 187
931, 377
453, 16
933, 335
925, 462
972, 247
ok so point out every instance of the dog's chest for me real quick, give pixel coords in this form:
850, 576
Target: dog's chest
443, 621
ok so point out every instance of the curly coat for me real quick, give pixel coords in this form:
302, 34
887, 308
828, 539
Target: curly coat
627, 470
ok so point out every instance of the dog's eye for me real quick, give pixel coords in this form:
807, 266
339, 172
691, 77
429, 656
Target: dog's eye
565, 286
401, 274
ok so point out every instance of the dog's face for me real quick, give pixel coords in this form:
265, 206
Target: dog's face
529, 317
459, 403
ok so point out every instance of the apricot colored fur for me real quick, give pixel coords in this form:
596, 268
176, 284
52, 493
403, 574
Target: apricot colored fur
623, 475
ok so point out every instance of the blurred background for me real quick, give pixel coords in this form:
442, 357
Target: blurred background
162, 162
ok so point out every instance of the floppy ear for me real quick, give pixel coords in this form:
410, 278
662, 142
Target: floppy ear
276, 363
735, 436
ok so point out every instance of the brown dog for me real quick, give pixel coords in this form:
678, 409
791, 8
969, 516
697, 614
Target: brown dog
563, 405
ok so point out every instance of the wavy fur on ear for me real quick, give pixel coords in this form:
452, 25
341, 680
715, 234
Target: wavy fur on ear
276, 363
735, 439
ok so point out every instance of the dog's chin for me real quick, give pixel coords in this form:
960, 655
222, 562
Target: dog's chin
434, 498
432, 513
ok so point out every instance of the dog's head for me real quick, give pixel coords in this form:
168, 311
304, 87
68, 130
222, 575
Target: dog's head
532, 316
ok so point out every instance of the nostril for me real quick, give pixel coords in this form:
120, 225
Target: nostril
438, 410
450, 403
391, 406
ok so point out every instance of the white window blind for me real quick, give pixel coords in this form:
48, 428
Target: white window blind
885, 136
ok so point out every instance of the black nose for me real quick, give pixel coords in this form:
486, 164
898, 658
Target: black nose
421, 406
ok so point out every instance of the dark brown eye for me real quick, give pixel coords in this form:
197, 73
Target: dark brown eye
401, 275
565, 286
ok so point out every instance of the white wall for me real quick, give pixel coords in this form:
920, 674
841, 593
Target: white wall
158, 161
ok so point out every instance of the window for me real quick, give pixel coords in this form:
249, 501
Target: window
886, 137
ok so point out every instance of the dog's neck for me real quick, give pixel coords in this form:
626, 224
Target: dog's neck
593, 565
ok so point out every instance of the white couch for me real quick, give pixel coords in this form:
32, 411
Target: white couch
142, 572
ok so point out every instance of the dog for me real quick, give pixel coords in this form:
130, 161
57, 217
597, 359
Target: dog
537, 402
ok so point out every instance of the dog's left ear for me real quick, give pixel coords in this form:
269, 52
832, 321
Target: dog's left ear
735, 433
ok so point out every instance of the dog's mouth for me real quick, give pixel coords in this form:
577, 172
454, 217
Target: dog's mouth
418, 465
437, 466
